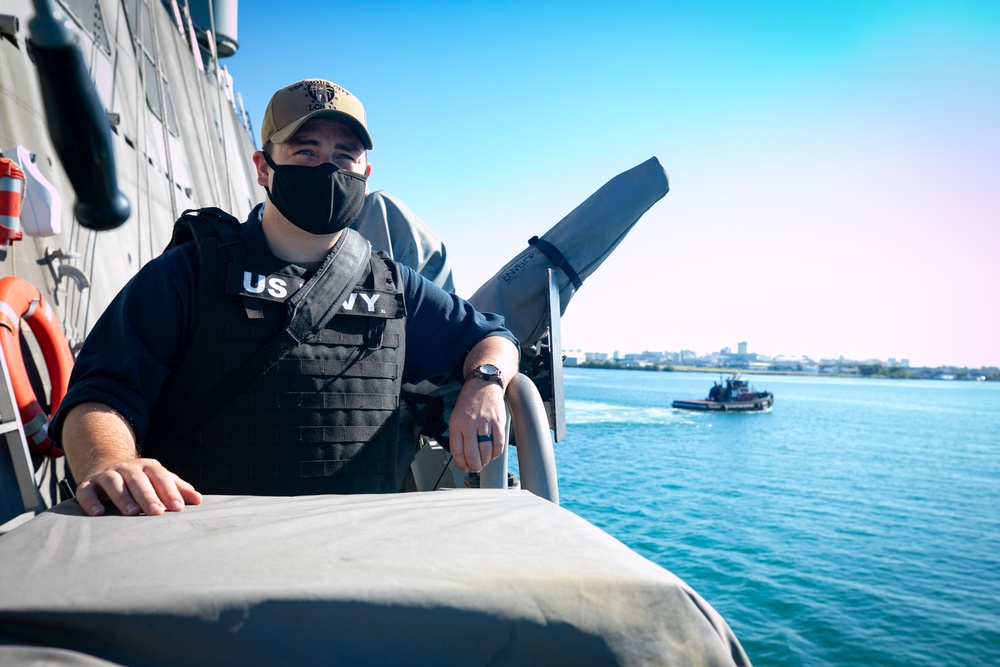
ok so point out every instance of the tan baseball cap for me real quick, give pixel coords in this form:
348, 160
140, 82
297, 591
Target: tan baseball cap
293, 105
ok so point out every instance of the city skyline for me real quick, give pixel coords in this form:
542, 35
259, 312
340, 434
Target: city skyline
888, 362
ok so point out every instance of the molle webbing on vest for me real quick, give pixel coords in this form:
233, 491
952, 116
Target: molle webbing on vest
323, 418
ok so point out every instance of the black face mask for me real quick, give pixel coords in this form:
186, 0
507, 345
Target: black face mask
319, 200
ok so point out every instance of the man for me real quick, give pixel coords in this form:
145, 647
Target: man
166, 397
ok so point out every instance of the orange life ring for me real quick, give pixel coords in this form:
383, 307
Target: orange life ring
19, 300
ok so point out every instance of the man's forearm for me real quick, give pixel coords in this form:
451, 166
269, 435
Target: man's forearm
476, 427
495, 350
95, 436
101, 449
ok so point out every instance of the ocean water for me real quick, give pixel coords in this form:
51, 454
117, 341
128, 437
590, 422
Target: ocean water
857, 523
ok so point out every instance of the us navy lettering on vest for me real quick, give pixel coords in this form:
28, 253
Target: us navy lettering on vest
371, 303
272, 287
278, 287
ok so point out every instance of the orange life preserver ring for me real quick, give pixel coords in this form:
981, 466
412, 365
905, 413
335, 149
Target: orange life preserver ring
19, 300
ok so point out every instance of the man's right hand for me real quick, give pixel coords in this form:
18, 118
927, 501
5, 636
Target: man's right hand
136, 486
100, 448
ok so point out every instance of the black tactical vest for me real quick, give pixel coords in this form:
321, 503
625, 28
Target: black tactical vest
324, 418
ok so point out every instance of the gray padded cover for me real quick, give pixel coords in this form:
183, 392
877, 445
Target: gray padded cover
457, 577
394, 229
585, 237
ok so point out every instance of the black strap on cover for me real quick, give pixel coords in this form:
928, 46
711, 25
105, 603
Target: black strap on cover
343, 268
557, 259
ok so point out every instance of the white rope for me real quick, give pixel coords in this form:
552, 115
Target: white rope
165, 127
210, 159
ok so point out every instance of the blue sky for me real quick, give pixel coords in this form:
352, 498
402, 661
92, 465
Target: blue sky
834, 166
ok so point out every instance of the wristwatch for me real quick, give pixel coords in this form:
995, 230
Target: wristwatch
487, 372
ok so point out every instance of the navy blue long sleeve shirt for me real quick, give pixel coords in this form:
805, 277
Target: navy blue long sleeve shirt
143, 335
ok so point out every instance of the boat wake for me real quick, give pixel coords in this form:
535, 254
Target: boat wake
591, 412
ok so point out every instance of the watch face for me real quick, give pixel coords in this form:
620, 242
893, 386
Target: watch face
487, 372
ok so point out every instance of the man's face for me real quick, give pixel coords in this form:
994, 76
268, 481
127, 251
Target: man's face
318, 141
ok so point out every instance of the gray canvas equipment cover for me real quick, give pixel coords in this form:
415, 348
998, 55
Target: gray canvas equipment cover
577, 245
394, 229
458, 577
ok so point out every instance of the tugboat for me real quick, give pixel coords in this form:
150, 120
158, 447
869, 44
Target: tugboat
735, 395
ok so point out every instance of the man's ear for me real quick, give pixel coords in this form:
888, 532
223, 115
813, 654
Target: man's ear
263, 170
368, 174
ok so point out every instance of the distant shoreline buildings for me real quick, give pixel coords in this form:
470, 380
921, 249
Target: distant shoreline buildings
742, 359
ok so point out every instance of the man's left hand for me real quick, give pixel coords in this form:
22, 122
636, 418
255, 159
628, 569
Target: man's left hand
477, 425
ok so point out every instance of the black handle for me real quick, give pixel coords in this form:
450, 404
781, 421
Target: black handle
77, 121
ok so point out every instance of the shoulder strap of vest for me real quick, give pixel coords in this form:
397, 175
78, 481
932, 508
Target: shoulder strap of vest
197, 223
214, 226
341, 271
338, 275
